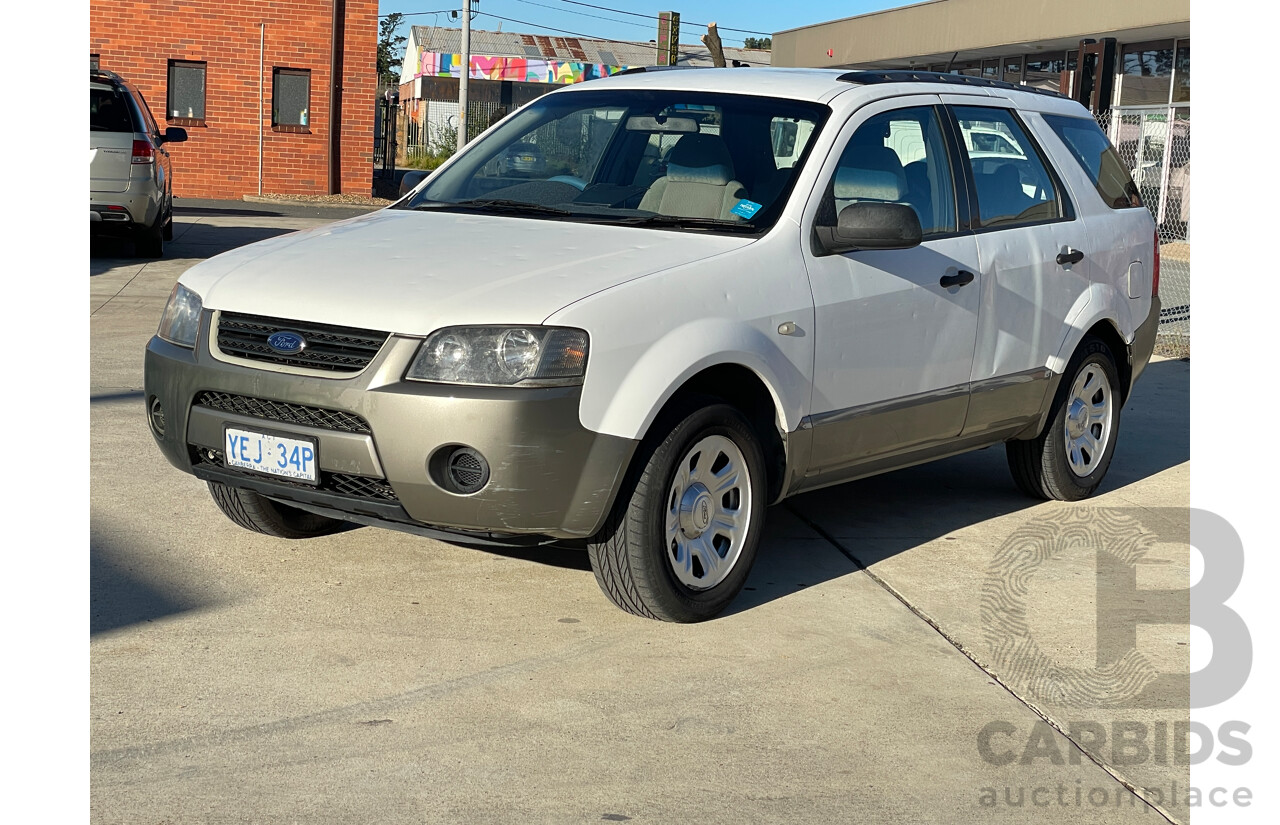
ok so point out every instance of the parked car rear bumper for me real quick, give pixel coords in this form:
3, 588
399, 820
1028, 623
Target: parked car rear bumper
1144, 341
141, 209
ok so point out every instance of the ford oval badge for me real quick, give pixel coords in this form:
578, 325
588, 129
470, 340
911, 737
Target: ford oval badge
286, 343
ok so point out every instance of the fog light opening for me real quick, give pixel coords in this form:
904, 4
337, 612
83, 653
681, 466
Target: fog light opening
458, 469
155, 413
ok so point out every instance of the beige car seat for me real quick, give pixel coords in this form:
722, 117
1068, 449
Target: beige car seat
699, 182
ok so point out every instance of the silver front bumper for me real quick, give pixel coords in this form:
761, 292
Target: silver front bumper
549, 475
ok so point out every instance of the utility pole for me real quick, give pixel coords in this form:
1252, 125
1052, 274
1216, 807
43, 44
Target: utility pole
466, 74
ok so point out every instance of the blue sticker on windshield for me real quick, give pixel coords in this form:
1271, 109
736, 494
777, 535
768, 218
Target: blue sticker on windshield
745, 208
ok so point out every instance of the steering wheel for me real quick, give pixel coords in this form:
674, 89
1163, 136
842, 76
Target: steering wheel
576, 183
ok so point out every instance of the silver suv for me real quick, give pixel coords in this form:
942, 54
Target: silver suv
130, 173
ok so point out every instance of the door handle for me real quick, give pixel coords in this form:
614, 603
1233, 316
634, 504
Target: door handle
961, 278
1072, 256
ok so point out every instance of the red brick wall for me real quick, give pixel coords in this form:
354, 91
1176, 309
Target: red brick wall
137, 40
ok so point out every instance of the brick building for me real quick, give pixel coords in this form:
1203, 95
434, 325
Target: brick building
252, 83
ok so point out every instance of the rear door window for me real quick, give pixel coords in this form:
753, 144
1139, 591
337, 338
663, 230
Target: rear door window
1095, 154
1011, 178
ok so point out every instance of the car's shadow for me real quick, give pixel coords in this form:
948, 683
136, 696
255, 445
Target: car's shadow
191, 241
879, 517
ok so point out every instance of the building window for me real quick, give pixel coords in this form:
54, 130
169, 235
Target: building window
291, 100
991, 69
1182, 73
1147, 74
93, 63
185, 104
1012, 70
1045, 71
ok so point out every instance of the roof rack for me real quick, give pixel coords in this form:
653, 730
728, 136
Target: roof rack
110, 75
646, 69
872, 77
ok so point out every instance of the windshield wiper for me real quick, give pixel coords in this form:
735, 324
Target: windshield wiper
495, 205
677, 222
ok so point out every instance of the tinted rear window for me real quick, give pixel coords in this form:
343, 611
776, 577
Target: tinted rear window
1095, 154
108, 111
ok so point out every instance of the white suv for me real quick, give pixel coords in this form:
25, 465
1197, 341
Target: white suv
679, 319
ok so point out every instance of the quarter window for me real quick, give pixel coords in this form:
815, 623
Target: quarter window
898, 157
186, 92
291, 99
1013, 184
1091, 149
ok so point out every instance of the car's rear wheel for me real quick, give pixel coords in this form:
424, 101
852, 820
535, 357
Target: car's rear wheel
1070, 457
683, 534
149, 240
256, 512
168, 222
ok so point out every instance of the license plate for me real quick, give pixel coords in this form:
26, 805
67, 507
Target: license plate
271, 454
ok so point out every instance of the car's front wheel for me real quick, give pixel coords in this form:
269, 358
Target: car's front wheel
683, 535
256, 512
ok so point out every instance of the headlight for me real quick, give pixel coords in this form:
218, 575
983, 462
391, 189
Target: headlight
501, 356
181, 317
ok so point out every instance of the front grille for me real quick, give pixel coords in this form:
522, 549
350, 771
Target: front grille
284, 412
330, 348
337, 483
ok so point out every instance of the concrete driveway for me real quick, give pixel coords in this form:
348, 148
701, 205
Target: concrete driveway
927, 646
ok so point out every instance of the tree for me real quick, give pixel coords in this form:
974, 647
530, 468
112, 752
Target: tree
390, 48
765, 43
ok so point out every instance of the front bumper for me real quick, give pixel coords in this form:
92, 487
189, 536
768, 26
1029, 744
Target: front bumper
549, 475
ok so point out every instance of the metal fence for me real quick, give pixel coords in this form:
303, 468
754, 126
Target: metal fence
1155, 145
430, 127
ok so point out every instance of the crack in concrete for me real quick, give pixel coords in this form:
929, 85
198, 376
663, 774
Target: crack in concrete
972, 657
354, 713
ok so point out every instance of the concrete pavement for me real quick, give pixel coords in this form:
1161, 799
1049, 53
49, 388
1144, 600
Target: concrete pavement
865, 674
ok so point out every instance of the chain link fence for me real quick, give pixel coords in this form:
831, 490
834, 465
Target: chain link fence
1155, 145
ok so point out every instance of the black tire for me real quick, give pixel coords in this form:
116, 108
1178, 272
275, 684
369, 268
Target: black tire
632, 558
262, 515
148, 242
1041, 466
167, 234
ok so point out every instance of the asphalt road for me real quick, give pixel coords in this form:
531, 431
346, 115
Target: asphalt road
918, 647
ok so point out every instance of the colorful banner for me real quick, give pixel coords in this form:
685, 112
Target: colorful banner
522, 69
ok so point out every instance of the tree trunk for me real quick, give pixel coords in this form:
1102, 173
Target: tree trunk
712, 41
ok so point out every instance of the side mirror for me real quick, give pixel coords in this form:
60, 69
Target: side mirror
411, 180
174, 134
870, 225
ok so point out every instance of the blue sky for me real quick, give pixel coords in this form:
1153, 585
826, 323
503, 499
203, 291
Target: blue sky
613, 22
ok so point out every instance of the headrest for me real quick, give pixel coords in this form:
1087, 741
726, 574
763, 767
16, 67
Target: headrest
854, 184
700, 159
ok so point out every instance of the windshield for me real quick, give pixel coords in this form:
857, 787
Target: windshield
662, 159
